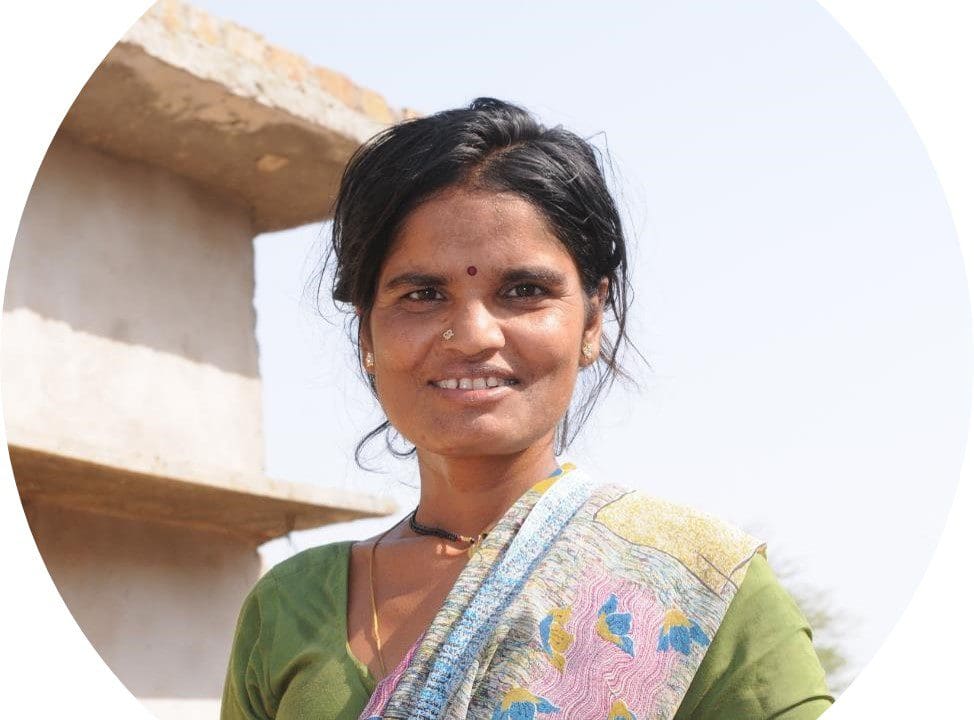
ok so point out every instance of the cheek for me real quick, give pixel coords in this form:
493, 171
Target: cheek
549, 346
399, 340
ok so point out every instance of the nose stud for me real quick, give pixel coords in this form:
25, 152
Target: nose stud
447, 334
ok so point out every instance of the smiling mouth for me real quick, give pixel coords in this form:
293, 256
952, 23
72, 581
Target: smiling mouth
474, 383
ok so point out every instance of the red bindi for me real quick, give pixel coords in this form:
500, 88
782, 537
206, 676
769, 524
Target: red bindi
471, 270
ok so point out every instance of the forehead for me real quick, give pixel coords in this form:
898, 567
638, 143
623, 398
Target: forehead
475, 226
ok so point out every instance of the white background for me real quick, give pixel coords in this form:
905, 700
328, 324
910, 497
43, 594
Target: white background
50, 49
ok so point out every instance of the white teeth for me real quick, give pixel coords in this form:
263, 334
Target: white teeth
478, 383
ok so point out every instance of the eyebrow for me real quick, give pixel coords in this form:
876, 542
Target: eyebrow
541, 274
544, 275
414, 279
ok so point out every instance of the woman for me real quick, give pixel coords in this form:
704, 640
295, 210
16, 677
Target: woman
482, 252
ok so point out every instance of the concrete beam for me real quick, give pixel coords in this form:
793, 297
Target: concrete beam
212, 101
252, 508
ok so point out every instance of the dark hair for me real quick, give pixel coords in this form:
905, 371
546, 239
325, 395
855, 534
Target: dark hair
496, 146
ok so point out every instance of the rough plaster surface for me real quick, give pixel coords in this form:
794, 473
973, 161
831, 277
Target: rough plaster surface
129, 321
244, 63
214, 102
158, 603
69, 391
136, 254
129, 365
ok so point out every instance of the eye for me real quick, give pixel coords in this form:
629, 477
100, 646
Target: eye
427, 294
526, 290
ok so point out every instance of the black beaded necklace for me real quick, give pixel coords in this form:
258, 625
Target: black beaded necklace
441, 533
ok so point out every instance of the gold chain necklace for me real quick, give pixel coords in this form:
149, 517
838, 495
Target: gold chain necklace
376, 636
419, 530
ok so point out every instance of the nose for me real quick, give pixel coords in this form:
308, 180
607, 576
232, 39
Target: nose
476, 330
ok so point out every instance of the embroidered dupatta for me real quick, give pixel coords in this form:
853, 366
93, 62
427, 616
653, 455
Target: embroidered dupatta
585, 601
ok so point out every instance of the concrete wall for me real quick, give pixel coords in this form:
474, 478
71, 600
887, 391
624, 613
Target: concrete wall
158, 602
128, 318
129, 369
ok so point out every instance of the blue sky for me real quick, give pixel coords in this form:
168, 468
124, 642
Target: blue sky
799, 287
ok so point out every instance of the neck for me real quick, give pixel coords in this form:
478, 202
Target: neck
466, 495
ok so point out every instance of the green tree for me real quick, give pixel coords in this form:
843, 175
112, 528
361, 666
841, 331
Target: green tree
830, 626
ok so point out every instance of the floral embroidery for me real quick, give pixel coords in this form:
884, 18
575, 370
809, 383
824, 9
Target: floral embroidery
619, 711
614, 627
555, 638
679, 633
521, 704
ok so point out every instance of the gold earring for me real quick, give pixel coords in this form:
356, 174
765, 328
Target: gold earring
369, 360
587, 351
447, 334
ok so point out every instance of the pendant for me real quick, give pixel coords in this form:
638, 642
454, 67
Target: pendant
473, 547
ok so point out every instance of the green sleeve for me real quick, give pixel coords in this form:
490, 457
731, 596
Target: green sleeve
290, 658
761, 663
245, 694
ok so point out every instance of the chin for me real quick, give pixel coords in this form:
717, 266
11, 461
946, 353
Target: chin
474, 443
479, 450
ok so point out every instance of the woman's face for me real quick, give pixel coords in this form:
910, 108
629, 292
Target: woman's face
486, 266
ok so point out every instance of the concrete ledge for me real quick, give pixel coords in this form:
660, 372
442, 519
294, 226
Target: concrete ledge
255, 509
212, 101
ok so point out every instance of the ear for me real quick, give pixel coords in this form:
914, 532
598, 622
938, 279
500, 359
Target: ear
592, 335
364, 338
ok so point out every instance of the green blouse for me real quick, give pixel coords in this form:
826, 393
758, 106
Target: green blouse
290, 658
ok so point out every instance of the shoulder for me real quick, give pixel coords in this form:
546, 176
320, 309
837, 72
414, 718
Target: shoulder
714, 550
761, 662
322, 565
298, 604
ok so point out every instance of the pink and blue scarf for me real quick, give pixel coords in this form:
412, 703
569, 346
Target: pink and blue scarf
585, 601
